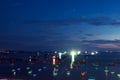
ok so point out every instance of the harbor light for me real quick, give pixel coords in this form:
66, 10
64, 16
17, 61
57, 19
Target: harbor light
72, 53
79, 52
92, 53
60, 55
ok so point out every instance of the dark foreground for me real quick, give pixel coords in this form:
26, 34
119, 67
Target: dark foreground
102, 66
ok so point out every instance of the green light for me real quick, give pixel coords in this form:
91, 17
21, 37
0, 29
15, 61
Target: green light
27, 68
29, 72
112, 73
13, 70
118, 75
106, 71
55, 74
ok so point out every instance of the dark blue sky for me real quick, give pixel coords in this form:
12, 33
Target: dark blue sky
60, 24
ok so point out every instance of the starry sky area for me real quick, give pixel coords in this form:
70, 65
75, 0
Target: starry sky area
60, 24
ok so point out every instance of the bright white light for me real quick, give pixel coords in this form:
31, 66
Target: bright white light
60, 55
73, 53
79, 52
118, 75
92, 53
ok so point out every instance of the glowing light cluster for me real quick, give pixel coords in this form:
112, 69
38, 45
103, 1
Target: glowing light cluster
54, 58
60, 55
14, 73
92, 53
79, 52
112, 72
68, 73
118, 75
30, 72
73, 53
55, 72
13, 70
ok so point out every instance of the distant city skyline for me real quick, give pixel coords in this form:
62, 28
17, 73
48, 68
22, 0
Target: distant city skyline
60, 24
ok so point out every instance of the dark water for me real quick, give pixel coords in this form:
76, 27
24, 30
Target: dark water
42, 69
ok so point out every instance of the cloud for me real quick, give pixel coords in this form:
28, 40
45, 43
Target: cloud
57, 43
110, 46
87, 45
103, 44
101, 41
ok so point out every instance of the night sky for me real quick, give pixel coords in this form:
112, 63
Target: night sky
60, 24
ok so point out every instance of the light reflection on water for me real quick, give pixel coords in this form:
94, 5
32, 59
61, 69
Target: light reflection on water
43, 68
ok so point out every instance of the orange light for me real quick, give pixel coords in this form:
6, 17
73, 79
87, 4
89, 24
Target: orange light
54, 60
